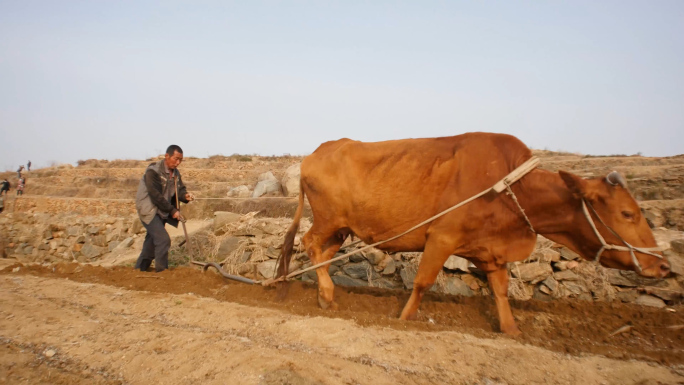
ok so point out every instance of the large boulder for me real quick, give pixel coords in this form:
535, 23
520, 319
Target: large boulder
568, 254
137, 227
267, 184
267, 268
93, 229
112, 245
668, 294
647, 300
551, 284
75, 231
228, 246
343, 280
222, 218
676, 264
408, 274
386, 284
128, 242
375, 257
573, 288
390, 267
631, 279
547, 255
455, 286
239, 192
91, 251
98, 240
532, 272
653, 216
457, 263
566, 275
290, 181
360, 270
678, 246
629, 295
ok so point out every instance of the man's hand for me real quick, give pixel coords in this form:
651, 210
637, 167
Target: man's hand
189, 197
176, 215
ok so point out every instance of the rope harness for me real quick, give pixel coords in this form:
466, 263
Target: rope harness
503, 184
515, 199
605, 246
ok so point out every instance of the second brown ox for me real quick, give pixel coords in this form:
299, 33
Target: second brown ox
378, 190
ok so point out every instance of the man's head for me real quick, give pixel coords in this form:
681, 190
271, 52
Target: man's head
173, 156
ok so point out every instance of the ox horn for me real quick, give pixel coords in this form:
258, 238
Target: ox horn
615, 179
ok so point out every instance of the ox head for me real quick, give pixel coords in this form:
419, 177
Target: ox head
616, 216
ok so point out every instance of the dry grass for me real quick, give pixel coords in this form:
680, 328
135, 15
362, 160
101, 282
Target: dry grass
595, 279
517, 289
207, 244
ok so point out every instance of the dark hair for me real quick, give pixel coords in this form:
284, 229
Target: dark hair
173, 149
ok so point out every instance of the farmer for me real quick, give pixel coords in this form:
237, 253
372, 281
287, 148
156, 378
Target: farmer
4, 187
156, 205
20, 186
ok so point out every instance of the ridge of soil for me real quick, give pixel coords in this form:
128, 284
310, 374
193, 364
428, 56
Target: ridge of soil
568, 326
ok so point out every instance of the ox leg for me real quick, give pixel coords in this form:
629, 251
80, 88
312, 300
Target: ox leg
434, 256
498, 281
318, 254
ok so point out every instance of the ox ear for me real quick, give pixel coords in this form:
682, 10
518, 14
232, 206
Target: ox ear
581, 188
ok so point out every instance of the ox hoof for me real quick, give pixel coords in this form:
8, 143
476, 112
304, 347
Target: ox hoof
326, 305
511, 331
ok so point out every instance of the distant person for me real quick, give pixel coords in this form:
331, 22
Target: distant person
155, 203
4, 187
20, 186
28, 166
19, 171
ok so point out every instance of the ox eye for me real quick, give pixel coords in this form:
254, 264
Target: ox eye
628, 215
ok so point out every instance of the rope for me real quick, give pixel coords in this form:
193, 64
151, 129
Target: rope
228, 198
515, 199
606, 246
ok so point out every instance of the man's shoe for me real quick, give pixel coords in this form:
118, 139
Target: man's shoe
145, 264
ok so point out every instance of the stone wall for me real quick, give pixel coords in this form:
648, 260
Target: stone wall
248, 245
245, 242
74, 238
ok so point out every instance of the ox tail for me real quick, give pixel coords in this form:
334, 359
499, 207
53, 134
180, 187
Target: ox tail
283, 262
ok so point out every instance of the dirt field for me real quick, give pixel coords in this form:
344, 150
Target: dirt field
116, 325
108, 324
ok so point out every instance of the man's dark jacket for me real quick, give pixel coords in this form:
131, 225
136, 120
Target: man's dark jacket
157, 195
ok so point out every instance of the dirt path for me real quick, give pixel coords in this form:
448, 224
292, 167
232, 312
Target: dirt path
106, 333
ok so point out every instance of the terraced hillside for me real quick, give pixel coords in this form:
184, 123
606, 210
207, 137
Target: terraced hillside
109, 187
100, 186
119, 179
75, 311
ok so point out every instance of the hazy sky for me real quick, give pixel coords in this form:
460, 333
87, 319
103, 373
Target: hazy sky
124, 79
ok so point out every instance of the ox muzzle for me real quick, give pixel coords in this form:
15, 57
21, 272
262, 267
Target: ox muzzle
664, 267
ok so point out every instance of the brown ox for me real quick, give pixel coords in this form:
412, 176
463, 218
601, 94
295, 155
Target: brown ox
378, 190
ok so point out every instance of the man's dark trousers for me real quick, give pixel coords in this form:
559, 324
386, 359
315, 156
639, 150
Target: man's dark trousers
156, 246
